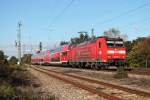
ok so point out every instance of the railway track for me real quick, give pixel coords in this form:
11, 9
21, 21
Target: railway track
138, 92
108, 96
137, 71
77, 84
140, 71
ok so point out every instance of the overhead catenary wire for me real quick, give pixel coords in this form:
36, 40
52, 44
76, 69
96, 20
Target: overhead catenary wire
125, 13
141, 21
135, 23
61, 13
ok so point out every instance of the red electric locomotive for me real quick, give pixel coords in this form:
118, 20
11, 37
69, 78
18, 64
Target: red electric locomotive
97, 53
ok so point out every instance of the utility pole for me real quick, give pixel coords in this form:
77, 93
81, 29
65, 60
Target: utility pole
23, 49
19, 42
30, 46
92, 32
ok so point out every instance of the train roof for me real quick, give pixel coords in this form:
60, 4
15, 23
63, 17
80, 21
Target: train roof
40, 53
56, 50
60, 49
108, 38
94, 40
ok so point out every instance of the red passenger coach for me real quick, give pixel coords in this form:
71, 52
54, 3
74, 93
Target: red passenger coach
55, 55
65, 54
60, 55
46, 58
41, 57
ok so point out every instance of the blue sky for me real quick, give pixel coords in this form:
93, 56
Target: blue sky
37, 15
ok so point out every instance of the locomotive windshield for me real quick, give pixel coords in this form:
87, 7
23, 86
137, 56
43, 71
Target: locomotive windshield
114, 43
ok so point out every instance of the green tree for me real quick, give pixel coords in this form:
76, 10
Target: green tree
140, 53
13, 60
112, 32
26, 59
63, 43
83, 36
128, 45
1, 55
87, 37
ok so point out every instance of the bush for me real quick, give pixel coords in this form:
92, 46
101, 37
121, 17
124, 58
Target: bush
121, 73
13, 60
5, 71
1, 55
6, 90
26, 59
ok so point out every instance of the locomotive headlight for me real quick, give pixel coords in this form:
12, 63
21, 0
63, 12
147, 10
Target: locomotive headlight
110, 51
122, 51
100, 52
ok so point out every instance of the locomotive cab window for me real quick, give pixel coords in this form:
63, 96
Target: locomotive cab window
115, 44
118, 43
110, 43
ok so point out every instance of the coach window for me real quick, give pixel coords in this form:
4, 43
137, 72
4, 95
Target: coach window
99, 45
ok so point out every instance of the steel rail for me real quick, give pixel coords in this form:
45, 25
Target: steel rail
129, 90
79, 85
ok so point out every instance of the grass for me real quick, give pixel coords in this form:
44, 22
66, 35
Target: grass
121, 73
16, 83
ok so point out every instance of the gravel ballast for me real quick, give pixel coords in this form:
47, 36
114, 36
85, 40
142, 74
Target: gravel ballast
62, 90
134, 82
84, 95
